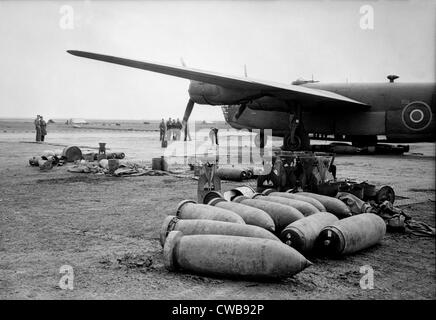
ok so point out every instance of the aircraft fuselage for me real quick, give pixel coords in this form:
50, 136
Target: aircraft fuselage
403, 112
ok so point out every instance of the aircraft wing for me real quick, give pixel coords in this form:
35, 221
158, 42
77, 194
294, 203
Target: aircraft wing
283, 91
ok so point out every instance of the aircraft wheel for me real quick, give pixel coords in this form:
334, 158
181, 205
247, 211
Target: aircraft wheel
260, 140
289, 146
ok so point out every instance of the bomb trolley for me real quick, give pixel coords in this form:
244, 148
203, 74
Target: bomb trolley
298, 170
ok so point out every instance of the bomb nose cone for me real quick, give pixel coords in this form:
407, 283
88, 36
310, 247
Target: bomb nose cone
171, 242
267, 191
167, 226
212, 195
182, 203
308, 263
215, 201
238, 199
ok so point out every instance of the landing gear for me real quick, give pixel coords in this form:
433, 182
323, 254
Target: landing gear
297, 138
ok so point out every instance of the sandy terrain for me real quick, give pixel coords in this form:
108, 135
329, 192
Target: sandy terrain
106, 228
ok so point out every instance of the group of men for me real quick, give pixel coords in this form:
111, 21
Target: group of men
172, 130
41, 128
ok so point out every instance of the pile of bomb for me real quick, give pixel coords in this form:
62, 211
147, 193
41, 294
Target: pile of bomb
243, 234
235, 173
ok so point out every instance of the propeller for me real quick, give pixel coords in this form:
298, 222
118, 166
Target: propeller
186, 116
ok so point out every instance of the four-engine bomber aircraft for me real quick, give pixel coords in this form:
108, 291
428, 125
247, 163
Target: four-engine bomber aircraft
403, 112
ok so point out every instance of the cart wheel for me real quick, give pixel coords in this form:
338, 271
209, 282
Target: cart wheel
385, 193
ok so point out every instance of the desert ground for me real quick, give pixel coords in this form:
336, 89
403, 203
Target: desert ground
107, 227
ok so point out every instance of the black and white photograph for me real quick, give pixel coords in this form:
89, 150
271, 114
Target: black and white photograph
232, 151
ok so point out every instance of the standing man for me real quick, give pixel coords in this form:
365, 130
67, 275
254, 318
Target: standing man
169, 129
179, 129
37, 128
173, 130
162, 129
43, 126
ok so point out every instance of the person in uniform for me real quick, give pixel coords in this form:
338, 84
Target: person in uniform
162, 129
37, 128
43, 126
173, 130
178, 129
169, 129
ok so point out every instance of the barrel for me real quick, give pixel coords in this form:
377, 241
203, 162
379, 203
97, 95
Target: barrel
332, 205
304, 207
113, 165
250, 215
281, 214
72, 153
201, 226
156, 163
232, 256
232, 174
302, 234
295, 196
189, 209
351, 234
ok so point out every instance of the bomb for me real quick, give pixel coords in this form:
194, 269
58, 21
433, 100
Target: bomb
295, 196
201, 226
302, 234
189, 209
233, 174
333, 205
250, 215
232, 256
281, 214
351, 234
304, 207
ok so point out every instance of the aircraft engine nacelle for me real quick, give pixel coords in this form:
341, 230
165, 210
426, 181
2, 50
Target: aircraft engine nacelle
206, 93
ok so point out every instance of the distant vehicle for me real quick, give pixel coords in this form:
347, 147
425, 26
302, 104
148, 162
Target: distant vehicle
77, 121
356, 112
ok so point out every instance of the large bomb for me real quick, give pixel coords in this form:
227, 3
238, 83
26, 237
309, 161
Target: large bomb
333, 205
232, 256
281, 214
351, 234
295, 196
200, 226
304, 207
251, 215
189, 209
233, 174
302, 234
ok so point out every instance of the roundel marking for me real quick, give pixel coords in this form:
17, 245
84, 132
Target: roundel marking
416, 115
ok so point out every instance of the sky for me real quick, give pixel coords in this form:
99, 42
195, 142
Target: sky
278, 41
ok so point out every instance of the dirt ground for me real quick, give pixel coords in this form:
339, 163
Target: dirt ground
107, 228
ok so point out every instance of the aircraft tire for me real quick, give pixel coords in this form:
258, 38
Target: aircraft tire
301, 142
